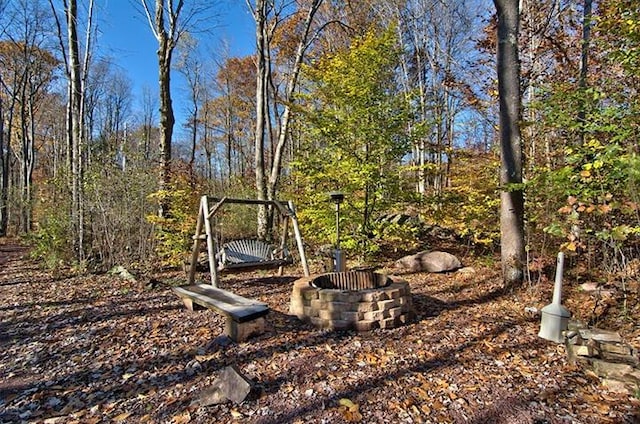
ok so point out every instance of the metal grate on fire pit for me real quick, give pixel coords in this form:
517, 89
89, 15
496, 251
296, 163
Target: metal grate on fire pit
351, 280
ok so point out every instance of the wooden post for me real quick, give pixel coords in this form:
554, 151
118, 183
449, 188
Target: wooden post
296, 230
211, 243
196, 245
283, 239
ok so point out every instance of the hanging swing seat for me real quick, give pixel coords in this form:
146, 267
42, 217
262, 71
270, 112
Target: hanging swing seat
243, 254
251, 253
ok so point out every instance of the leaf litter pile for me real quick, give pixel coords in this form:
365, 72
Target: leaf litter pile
101, 348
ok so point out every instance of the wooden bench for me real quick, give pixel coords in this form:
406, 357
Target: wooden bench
245, 317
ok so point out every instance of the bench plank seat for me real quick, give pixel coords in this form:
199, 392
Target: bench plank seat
239, 308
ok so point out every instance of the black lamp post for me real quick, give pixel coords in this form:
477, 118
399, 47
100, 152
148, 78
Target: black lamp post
337, 198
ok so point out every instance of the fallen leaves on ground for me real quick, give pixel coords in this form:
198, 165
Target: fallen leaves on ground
100, 348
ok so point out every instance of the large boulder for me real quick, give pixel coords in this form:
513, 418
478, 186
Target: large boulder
429, 262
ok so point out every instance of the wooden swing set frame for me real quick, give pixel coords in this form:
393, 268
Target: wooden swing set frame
253, 261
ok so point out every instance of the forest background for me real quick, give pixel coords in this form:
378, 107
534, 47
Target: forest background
394, 103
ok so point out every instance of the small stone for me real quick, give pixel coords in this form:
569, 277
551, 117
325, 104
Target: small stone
616, 348
584, 350
211, 395
193, 367
575, 325
600, 335
589, 287
615, 386
612, 370
232, 384
405, 318
53, 402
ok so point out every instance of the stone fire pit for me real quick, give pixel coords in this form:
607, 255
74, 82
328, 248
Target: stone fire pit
360, 300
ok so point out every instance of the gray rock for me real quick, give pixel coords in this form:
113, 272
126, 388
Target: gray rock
230, 385
429, 261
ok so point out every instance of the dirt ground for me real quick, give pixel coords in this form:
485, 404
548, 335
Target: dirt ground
99, 348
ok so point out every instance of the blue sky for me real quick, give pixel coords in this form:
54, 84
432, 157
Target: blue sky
125, 37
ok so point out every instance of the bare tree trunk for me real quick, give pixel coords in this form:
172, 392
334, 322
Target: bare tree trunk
283, 137
167, 35
584, 60
267, 181
167, 119
148, 107
75, 142
5, 152
511, 197
261, 13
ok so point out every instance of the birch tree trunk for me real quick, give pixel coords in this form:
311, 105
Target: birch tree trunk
5, 151
75, 130
260, 16
511, 197
283, 136
267, 180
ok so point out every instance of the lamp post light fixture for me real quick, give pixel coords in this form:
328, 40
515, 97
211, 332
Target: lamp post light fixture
338, 258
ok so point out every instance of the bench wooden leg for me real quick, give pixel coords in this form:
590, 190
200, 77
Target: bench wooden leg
190, 305
241, 331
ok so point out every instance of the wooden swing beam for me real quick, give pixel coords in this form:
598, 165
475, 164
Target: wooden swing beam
206, 213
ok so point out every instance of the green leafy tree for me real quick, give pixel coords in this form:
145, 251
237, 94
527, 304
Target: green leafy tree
590, 191
355, 137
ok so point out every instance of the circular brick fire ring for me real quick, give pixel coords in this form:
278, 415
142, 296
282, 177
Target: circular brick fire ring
360, 300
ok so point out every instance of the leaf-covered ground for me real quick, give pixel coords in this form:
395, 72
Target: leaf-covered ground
100, 348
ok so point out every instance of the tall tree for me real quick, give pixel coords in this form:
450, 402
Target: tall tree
355, 134
77, 71
149, 106
192, 67
263, 35
268, 17
511, 196
76, 134
169, 20
26, 72
584, 57
436, 38
232, 115
164, 19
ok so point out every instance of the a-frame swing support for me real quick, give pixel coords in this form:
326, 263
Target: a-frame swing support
206, 213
